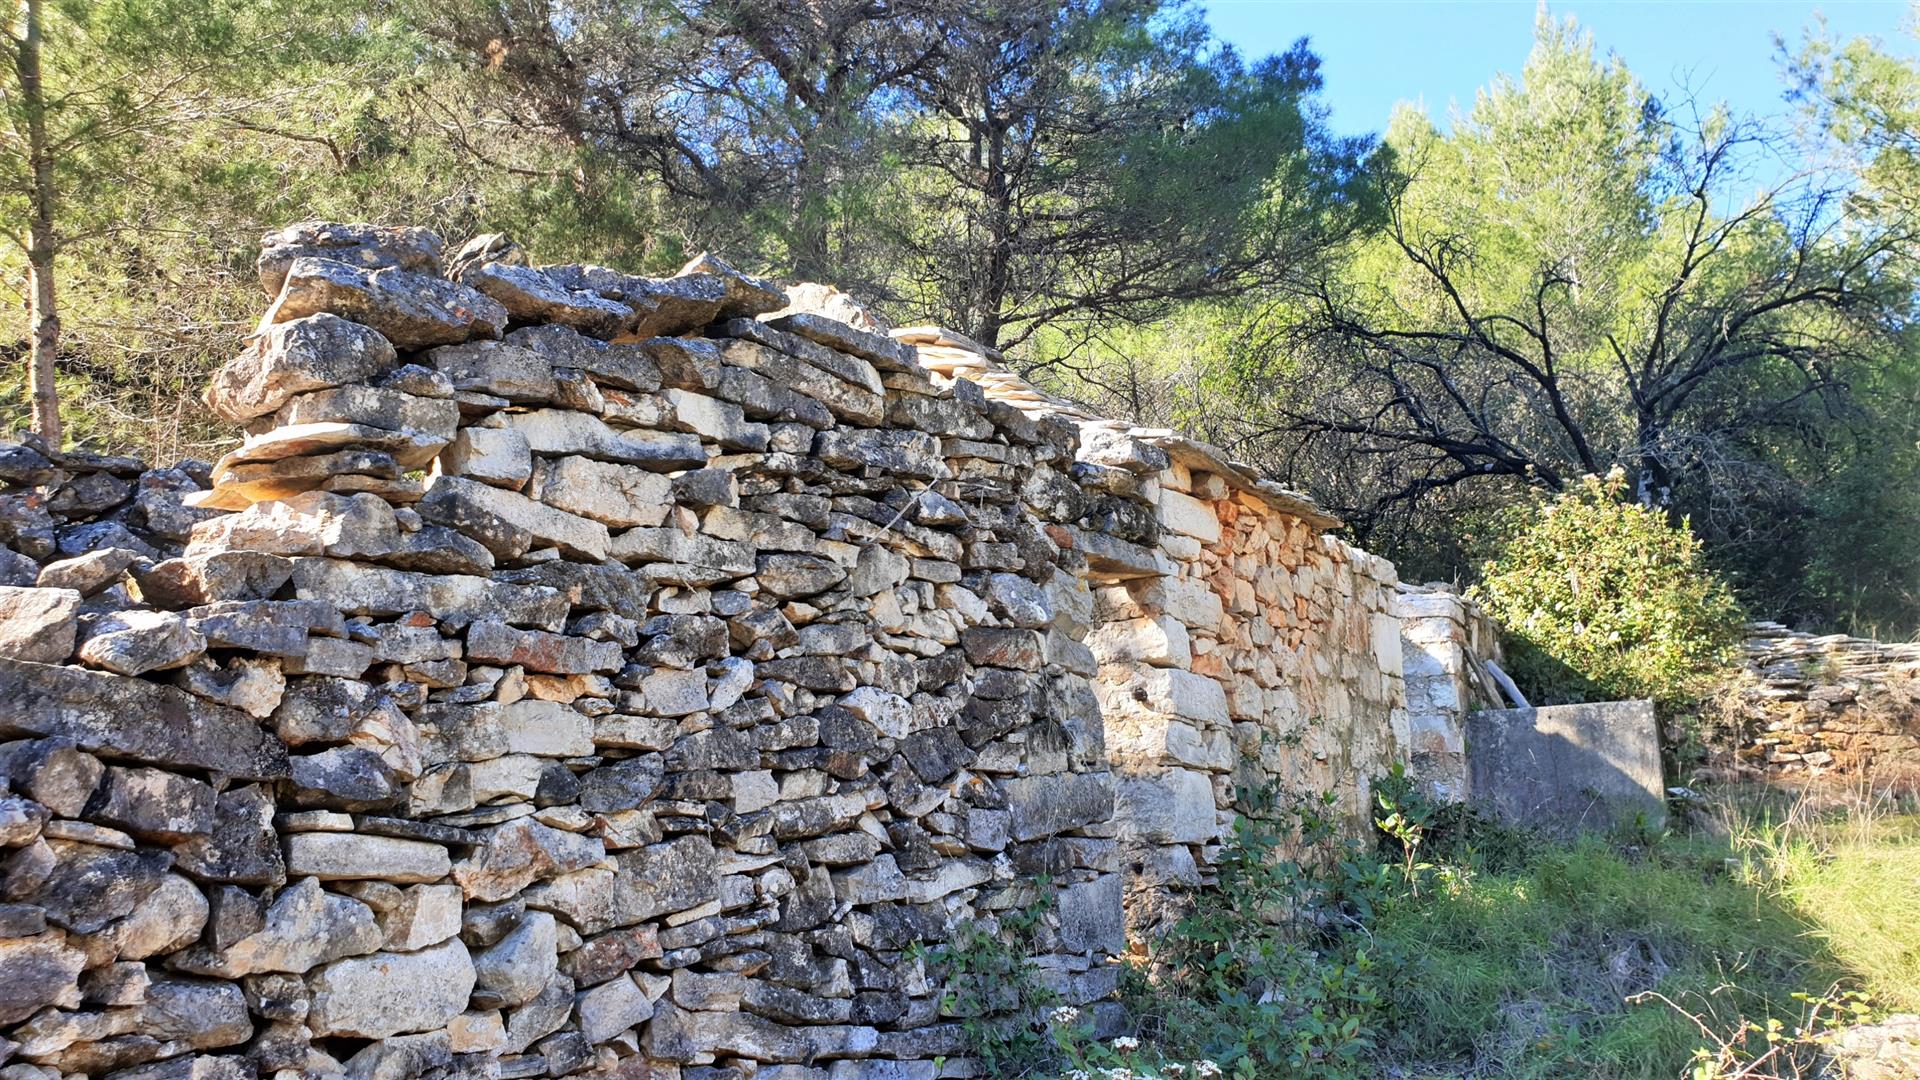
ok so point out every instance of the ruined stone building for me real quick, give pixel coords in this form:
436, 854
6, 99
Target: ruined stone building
575, 673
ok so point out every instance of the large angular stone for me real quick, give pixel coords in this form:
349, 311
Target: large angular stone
136, 642
561, 431
545, 729
455, 599
410, 449
884, 352
371, 247
36, 972
154, 804
617, 495
520, 852
903, 453
411, 310
207, 577
37, 624
506, 522
513, 970
1170, 806
88, 574
373, 997
293, 357
304, 927
497, 456
90, 886
662, 879
373, 407
499, 369
534, 296
310, 523
135, 719
242, 849
611, 1008
787, 576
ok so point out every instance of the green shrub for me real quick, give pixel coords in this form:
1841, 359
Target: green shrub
1601, 598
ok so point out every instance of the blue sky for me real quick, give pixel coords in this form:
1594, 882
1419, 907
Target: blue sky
1379, 52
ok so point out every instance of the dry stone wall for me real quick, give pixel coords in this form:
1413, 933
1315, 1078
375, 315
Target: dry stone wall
575, 673
1814, 705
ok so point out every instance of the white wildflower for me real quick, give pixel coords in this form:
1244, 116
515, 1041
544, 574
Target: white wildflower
1125, 1043
1206, 1067
1064, 1015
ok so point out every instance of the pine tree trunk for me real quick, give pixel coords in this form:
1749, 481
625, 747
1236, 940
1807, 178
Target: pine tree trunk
43, 315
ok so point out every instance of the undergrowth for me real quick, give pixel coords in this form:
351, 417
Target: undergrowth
1447, 945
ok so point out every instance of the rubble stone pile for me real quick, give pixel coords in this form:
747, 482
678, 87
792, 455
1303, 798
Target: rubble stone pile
1826, 704
577, 673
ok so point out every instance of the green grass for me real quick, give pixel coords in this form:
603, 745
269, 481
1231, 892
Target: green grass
1521, 964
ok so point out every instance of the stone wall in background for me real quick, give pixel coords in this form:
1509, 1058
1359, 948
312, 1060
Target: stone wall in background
581, 674
1810, 705
1446, 640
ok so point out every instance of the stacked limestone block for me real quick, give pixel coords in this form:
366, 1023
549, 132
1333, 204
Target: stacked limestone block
1446, 640
1814, 705
571, 674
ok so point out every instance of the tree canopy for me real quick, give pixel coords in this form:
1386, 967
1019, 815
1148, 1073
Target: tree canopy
1423, 329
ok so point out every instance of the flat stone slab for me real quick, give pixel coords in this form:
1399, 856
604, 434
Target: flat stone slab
1577, 767
137, 719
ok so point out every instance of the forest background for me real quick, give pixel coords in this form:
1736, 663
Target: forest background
1423, 328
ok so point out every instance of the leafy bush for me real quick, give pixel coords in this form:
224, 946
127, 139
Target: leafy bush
1602, 598
1272, 972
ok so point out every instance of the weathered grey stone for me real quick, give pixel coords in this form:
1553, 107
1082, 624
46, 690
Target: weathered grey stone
213, 576
154, 804
242, 848
514, 855
787, 576
136, 719
611, 1008
497, 369
456, 600
411, 310
88, 574
559, 431
373, 407
904, 453
90, 886
1169, 806
531, 295
36, 972
309, 523
617, 495
497, 456
37, 624
537, 650
1046, 805
136, 642
371, 247
305, 927
514, 970
295, 356
373, 997
342, 856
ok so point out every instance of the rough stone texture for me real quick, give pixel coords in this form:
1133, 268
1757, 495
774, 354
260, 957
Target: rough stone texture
557, 706
1811, 705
